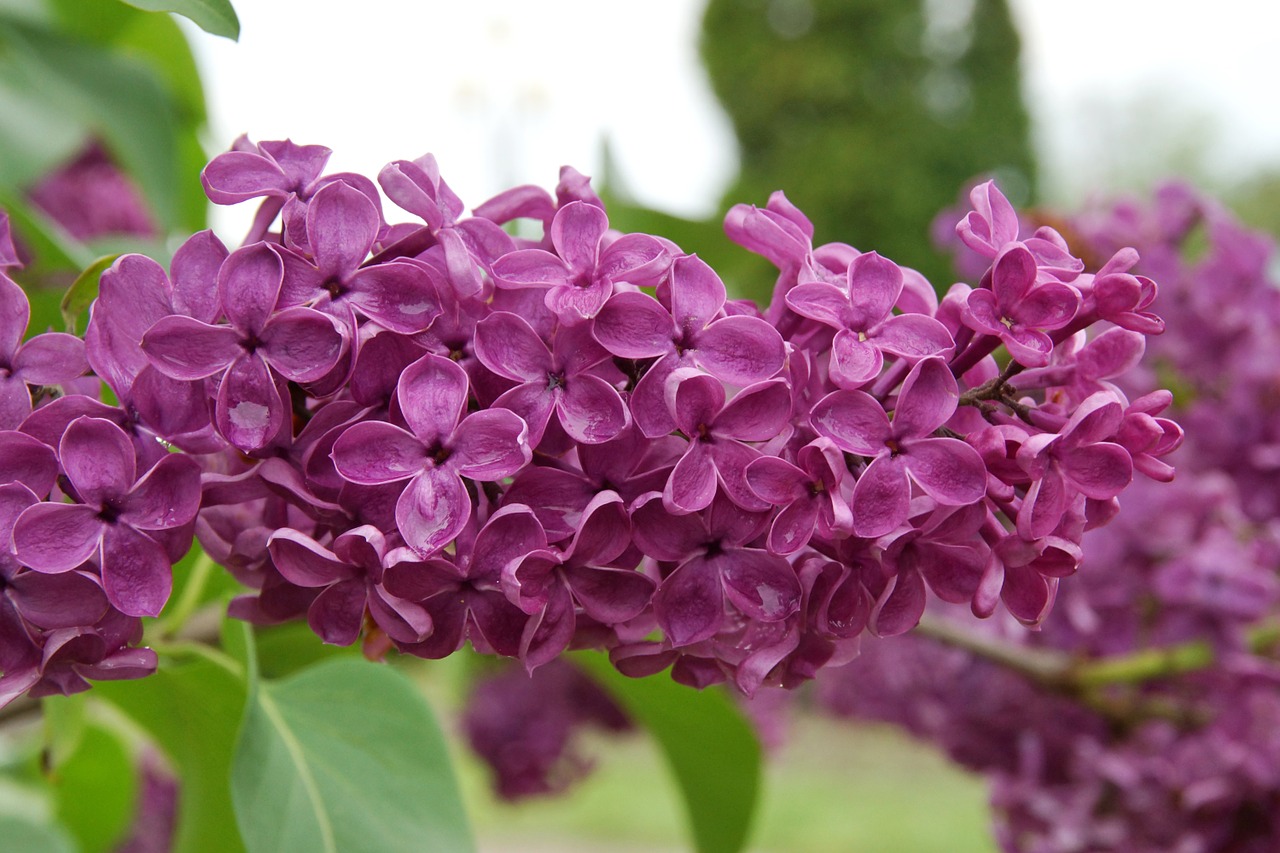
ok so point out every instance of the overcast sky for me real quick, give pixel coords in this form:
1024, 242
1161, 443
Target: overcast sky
506, 91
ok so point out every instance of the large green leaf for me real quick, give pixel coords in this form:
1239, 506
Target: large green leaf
192, 711
212, 16
711, 750
114, 97
344, 756
95, 790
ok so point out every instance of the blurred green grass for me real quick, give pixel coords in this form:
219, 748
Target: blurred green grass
834, 787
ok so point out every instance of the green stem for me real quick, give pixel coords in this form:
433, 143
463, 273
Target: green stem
190, 598
189, 648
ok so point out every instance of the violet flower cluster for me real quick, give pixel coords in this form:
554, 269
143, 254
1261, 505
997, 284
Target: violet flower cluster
1147, 716
420, 434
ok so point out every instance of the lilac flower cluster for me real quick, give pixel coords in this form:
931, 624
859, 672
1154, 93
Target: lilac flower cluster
1143, 715
424, 433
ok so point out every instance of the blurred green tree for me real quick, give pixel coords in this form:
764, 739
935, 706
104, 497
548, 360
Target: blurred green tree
871, 113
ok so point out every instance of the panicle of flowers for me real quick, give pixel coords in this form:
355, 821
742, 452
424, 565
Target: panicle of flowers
1155, 727
424, 433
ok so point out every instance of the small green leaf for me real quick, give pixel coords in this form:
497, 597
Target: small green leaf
345, 755
22, 835
95, 790
82, 292
711, 750
192, 711
216, 17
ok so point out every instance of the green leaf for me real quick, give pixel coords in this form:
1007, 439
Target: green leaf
711, 750
23, 835
345, 755
213, 16
192, 711
82, 292
111, 96
95, 790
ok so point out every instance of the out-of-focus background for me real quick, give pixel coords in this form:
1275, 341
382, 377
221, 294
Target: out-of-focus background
872, 115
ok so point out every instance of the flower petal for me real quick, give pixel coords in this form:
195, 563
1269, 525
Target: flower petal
433, 395
250, 411
576, 232
591, 410
400, 296
928, 399
184, 348
301, 344
853, 420
341, 226
761, 585
249, 285
56, 537
880, 497
506, 344
740, 350
697, 293
375, 452
167, 496
689, 604
136, 574
692, 484
950, 471
304, 562
99, 460
433, 510
634, 325
490, 444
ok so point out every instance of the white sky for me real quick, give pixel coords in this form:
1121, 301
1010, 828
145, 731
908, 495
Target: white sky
506, 91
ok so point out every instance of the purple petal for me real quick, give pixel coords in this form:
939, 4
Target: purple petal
914, 336
533, 403
980, 312
66, 600
1012, 275
337, 614
236, 176
761, 585
694, 399
506, 344
400, 296
50, 359
549, 632
1048, 306
853, 420
250, 411
249, 285
697, 293
403, 621
820, 301
792, 527
301, 344
874, 285
637, 259
740, 350
634, 325
576, 232
304, 562
166, 497
375, 452
900, 606
880, 497
732, 458
15, 402
56, 537
591, 410
194, 273
511, 532
1043, 506
490, 444
136, 574
664, 536
757, 413
603, 533
15, 314
649, 402
1028, 346
433, 510
188, 349
341, 226
28, 461
928, 399
854, 362
99, 459
1100, 471
433, 395
610, 596
692, 484
689, 603
530, 268
776, 480
573, 303
950, 471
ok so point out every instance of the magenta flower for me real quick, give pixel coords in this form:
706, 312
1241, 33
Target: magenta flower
1019, 311
950, 471
259, 346
551, 584
555, 380
349, 578
1078, 459
808, 494
342, 225
119, 518
440, 448
580, 276
715, 567
717, 431
735, 349
865, 323
48, 359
